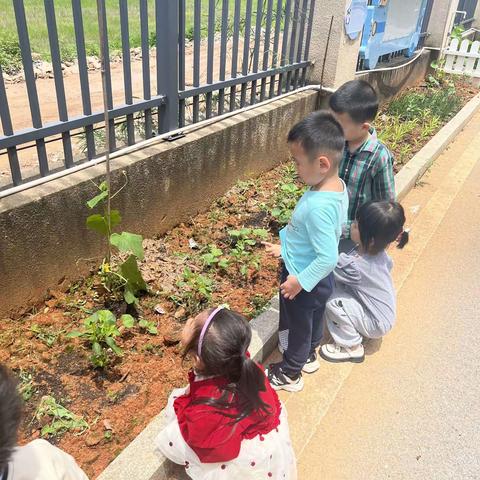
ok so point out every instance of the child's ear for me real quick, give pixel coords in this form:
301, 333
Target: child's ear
324, 163
366, 126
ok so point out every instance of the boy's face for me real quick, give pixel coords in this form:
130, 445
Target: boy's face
310, 171
352, 130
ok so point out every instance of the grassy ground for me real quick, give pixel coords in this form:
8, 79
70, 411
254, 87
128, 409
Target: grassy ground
9, 56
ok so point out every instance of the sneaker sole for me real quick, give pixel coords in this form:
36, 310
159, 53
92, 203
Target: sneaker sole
342, 360
293, 388
311, 367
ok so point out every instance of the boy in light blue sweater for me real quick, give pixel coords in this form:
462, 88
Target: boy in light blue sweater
309, 247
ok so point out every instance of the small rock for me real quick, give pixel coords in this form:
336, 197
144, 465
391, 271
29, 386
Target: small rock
180, 313
171, 339
192, 243
93, 439
46, 310
107, 425
158, 309
46, 357
51, 303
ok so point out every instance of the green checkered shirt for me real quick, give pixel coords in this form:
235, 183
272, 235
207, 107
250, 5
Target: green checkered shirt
368, 174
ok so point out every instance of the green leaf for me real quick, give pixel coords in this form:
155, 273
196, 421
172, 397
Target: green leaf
128, 242
103, 187
97, 199
129, 270
129, 296
97, 348
74, 334
127, 320
98, 223
111, 343
106, 317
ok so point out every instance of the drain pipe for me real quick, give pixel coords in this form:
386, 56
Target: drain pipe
154, 140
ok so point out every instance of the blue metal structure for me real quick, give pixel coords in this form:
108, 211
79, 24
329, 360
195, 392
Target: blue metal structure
392, 27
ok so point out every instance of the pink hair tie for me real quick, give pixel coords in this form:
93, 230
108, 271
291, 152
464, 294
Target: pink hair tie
205, 327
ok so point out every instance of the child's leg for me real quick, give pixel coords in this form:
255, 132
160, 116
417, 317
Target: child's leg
343, 316
305, 324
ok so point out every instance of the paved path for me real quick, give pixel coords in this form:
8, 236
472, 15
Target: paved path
412, 409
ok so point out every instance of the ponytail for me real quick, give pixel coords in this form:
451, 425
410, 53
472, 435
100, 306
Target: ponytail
403, 238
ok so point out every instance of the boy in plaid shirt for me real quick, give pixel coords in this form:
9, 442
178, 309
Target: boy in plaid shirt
367, 164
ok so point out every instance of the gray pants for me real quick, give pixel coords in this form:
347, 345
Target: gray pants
348, 322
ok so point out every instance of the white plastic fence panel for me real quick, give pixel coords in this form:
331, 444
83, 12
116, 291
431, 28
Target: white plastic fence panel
474, 68
459, 65
450, 54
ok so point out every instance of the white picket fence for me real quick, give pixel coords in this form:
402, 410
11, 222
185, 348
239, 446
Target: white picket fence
463, 58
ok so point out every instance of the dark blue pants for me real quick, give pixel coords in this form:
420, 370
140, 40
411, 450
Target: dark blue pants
303, 318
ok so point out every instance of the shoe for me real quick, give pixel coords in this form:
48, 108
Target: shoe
280, 348
279, 380
335, 353
312, 364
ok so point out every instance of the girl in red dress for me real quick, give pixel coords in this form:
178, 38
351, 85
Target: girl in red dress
228, 423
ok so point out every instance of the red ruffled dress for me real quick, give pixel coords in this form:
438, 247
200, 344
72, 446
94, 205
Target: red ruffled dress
205, 441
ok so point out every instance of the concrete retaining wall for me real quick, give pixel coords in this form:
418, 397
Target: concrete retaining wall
43, 239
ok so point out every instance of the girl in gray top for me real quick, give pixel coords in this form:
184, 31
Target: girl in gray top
363, 299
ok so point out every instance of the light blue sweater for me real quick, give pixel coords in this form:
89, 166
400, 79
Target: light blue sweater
310, 240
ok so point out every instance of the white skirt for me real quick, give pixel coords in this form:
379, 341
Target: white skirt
272, 458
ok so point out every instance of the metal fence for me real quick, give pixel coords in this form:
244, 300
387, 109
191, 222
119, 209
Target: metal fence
465, 13
239, 52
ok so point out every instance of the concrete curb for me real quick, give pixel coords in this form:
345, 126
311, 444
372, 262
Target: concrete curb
138, 460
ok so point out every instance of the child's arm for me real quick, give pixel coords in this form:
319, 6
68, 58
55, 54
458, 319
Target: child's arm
346, 271
383, 184
321, 231
273, 249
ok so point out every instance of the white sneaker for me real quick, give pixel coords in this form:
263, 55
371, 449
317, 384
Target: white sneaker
335, 353
312, 364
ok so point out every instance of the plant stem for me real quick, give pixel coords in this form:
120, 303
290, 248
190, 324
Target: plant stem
101, 27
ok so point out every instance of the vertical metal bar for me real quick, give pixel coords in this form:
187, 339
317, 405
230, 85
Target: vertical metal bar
181, 59
58, 78
276, 40
166, 13
108, 77
256, 51
211, 43
26, 53
266, 47
223, 55
8, 130
301, 33
293, 41
307, 40
236, 34
283, 58
246, 49
83, 71
146, 65
197, 26
127, 71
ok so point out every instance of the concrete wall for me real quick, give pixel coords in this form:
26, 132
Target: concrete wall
389, 83
43, 239
441, 21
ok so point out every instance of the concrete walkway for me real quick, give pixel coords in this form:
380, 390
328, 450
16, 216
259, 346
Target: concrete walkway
412, 409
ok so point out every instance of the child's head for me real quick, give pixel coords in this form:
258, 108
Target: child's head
355, 106
218, 340
316, 144
10, 414
379, 224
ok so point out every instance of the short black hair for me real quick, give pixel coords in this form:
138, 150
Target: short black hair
10, 415
319, 133
379, 224
357, 98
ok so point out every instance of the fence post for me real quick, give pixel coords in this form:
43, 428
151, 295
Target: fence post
167, 31
342, 55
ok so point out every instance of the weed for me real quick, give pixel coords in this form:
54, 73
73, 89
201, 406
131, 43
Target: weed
195, 291
259, 304
48, 337
214, 258
242, 253
285, 200
60, 419
149, 326
153, 349
100, 330
26, 386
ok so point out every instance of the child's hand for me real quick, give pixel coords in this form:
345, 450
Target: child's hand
291, 287
273, 249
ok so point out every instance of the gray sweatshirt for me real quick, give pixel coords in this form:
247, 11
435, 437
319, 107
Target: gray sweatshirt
367, 278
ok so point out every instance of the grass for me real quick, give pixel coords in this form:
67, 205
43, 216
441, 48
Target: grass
38, 33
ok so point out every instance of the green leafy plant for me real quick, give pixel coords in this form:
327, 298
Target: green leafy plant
242, 252
100, 330
59, 418
285, 200
149, 326
26, 386
194, 291
47, 336
214, 258
124, 279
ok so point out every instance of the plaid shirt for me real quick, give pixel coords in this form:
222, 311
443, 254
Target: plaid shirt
368, 174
